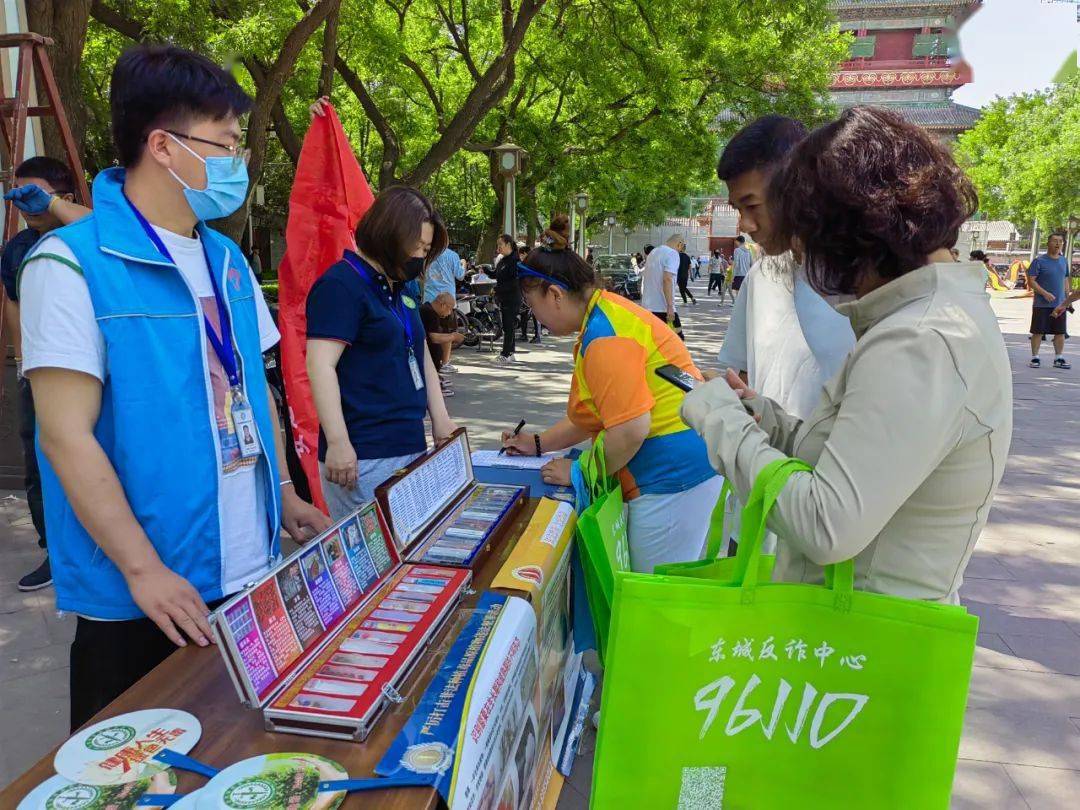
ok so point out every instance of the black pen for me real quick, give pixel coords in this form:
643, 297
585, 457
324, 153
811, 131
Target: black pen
517, 430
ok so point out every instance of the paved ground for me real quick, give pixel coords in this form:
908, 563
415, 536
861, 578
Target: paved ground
1021, 746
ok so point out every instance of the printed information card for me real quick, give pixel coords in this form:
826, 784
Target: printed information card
417, 498
294, 607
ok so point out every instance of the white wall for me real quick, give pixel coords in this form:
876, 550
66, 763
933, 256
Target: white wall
724, 222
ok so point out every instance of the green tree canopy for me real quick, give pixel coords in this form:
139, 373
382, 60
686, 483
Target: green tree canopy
1024, 156
629, 100
623, 98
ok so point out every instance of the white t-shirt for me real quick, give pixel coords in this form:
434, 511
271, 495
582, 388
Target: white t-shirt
59, 330
663, 259
785, 336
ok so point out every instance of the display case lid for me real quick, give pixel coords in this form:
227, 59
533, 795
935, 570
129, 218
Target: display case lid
267, 631
416, 497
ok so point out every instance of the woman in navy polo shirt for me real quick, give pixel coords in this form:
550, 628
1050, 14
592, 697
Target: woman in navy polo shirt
371, 374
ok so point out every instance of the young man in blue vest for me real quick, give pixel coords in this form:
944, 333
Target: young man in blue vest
143, 333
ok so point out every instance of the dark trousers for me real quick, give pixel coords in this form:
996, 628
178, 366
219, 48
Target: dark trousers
676, 325
509, 311
108, 657
715, 280
524, 317
32, 480
684, 291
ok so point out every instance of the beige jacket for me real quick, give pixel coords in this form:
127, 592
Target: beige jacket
908, 442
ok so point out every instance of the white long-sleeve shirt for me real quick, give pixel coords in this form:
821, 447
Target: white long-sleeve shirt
908, 441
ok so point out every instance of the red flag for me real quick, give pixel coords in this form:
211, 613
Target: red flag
329, 196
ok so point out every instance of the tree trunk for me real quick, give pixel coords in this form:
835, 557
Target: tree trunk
65, 21
268, 95
329, 49
490, 88
488, 237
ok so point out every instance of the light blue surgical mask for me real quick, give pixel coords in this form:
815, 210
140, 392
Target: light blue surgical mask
226, 185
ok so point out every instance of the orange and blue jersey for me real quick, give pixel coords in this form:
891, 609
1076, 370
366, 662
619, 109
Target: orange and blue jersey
615, 361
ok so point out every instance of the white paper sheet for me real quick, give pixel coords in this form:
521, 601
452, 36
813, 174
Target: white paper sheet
491, 458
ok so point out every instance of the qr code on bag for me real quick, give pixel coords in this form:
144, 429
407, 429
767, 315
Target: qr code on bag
702, 789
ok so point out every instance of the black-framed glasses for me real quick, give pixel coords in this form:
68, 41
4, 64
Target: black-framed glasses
237, 153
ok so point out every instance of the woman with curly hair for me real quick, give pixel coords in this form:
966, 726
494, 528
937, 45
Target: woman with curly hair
909, 439
660, 462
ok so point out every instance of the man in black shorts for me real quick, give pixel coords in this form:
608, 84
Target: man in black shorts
1048, 276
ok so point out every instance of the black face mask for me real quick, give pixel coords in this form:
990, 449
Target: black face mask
412, 268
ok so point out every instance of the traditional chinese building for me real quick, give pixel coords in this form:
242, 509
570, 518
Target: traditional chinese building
906, 55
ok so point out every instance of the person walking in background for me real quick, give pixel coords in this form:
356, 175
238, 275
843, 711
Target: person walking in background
1048, 276
658, 281
661, 464
256, 263
683, 275
44, 193
442, 335
716, 273
372, 376
910, 439
741, 261
507, 294
729, 279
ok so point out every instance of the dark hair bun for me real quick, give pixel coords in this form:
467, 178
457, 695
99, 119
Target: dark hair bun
557, 236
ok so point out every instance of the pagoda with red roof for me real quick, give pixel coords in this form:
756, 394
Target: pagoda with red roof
906, 56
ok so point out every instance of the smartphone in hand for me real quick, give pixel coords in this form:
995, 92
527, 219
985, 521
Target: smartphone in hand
677, 377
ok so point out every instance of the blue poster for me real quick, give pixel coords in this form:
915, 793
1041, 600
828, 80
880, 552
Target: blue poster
358, 555
321, 585
427, 743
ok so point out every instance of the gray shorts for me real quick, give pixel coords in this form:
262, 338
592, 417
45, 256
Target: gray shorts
370, 472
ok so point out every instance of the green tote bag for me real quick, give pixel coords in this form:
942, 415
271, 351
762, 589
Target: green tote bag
711, 567
601, 538
779, 695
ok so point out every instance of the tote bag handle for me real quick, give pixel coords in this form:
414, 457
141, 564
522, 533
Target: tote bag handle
840, 578
594, 468
716, 523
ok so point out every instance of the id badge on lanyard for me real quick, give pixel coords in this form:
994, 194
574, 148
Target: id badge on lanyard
243, 419
414, 369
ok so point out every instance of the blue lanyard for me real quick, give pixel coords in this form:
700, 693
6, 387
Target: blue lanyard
223, 344
397, 310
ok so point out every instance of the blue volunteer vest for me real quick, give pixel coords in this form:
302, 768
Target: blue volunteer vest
157, 421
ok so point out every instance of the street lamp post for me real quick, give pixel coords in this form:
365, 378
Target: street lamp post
626, 231
509, 156
610, 233
581, 205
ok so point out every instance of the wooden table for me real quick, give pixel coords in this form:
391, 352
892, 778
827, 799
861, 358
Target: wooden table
195, 679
